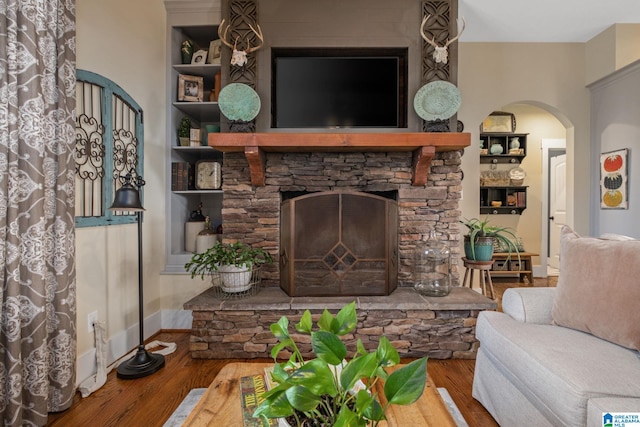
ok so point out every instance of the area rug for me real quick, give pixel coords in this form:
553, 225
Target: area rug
189, 402
453, 409
186, 406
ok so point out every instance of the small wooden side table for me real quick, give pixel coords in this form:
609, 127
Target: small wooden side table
484, 267
523, 269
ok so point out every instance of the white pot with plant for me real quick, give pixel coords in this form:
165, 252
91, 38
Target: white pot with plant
230, 265
184, 131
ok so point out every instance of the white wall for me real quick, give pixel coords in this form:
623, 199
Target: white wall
615, 125
611, 50
550, 75
125, 42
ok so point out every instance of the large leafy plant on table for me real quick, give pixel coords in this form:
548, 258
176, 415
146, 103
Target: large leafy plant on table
479, 242
329, 390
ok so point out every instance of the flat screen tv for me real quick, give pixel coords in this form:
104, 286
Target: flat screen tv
339, 88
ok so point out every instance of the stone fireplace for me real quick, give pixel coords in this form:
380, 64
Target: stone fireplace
424, 181
420, 169
415, 181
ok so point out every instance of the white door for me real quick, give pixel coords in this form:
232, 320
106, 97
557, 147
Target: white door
557, 206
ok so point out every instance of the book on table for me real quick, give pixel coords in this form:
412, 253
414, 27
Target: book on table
251, 389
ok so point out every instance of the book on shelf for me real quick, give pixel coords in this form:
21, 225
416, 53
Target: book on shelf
181, 176
251, 389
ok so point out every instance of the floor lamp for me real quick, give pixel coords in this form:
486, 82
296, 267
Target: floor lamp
143, 363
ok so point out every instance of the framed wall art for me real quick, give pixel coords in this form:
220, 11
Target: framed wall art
614, 180
190, 88
499, 122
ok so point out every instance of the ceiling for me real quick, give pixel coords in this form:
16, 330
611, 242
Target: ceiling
543, 20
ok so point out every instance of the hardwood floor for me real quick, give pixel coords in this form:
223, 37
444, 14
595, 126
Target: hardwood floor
150, 401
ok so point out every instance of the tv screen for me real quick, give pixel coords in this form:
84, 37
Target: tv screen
339, 88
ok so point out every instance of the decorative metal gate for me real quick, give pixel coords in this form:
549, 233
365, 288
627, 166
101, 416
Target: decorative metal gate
339, 243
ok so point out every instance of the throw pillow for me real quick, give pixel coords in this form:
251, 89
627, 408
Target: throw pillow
598, 288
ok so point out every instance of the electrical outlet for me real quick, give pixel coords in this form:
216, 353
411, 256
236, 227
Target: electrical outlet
91, 319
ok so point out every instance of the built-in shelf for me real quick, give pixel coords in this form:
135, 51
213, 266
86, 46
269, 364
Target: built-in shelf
201, 111
423, 145
198, 192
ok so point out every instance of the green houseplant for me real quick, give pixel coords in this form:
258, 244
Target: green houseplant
184, 129
478, 243
231, 264
330, 390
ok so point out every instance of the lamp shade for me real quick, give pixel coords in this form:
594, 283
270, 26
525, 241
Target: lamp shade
127, 198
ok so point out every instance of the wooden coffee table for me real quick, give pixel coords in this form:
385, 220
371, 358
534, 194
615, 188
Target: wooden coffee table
220, 405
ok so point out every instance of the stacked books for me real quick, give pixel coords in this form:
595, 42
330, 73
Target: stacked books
182, 176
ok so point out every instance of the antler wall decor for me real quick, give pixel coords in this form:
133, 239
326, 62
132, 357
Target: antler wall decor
440, 54
239, 57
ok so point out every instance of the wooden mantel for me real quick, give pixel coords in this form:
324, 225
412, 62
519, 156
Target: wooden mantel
423, 145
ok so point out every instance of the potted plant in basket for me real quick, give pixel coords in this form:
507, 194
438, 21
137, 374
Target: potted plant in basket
330, 390
479, 242
231, 263
184, 130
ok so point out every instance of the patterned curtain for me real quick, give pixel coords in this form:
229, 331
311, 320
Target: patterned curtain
37, 235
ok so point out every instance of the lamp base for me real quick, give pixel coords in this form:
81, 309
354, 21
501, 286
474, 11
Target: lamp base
140, 365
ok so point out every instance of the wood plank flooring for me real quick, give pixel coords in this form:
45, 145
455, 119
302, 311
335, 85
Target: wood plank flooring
148, 402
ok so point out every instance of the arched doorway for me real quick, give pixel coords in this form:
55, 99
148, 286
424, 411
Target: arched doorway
549, 134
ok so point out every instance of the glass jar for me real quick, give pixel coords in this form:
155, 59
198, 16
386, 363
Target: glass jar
432, 267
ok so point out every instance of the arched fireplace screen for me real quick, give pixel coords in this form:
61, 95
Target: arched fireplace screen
339, 243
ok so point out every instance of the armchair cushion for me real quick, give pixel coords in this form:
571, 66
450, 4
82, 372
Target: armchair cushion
598, 288
529, 305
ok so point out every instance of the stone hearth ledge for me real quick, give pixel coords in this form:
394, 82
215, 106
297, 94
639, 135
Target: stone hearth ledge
416, 325
403, 298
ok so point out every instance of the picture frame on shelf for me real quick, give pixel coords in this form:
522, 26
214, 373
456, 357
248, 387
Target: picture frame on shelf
499, 122
190, 88
215, 52
199, 57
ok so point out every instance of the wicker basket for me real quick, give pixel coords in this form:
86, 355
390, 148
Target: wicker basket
236, 284
496, 182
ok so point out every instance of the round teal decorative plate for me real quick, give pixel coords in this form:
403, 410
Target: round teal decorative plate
238, 101
437, 100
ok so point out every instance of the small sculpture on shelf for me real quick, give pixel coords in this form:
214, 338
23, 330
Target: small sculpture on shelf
187, 51
514, 146
206, 238
496, 148
192, 227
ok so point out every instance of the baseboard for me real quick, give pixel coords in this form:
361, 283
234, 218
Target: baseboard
123, 342
539, 271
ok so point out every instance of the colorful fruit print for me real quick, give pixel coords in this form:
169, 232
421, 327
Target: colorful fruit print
613, 163
612, 181
612, 198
